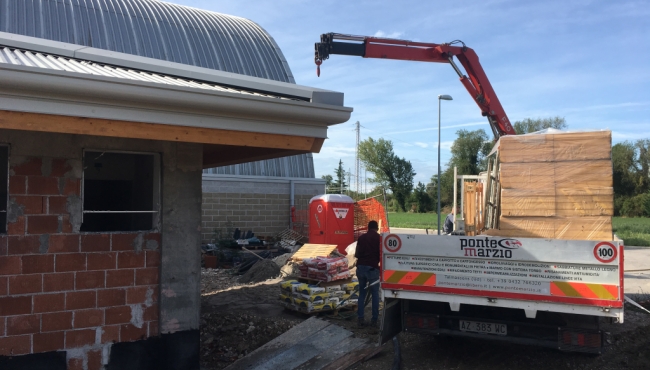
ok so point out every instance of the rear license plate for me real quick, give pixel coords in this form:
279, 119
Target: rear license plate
483, 327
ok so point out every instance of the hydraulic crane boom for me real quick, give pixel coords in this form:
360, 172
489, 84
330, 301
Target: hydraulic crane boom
476, 81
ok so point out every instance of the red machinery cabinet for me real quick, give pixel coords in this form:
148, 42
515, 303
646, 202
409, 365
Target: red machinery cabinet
331, 220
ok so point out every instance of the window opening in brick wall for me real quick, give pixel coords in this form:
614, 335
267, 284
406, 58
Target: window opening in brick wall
121, 191
4, 188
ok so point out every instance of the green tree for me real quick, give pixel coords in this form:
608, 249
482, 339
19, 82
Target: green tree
625, 169
636, 206
468, 152
339, 183
631, 162
388, 169
432, 189
643, 160
528, 125
328, 182
422, 199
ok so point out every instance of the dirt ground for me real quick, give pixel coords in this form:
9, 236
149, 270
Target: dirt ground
238, 318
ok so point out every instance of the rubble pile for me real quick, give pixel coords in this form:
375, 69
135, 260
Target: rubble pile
228, 337
261, 270
216, 279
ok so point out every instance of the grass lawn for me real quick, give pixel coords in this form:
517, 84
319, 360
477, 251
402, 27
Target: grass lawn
634, 231
415, 220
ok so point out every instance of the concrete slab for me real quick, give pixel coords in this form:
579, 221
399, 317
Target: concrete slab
637, 270
400, 230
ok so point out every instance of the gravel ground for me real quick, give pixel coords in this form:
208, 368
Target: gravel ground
238, 318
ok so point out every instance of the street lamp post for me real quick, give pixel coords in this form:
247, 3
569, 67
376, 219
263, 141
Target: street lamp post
440, 97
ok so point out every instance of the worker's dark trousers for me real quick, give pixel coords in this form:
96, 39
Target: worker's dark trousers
368, 275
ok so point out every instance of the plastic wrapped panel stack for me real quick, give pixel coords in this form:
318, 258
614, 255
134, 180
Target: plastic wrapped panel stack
557, 185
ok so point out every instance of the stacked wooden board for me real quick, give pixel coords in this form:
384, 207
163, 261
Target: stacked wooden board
556, 185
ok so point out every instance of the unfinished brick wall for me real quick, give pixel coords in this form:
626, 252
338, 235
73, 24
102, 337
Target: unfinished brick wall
62, 290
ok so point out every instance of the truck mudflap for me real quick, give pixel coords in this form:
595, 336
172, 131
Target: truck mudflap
583, 277
391, 320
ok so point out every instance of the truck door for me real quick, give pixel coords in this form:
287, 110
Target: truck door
391, 322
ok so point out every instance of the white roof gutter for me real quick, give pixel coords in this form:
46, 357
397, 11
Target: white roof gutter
170, 68
35, 90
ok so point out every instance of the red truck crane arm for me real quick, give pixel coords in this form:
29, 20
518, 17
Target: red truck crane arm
476, 81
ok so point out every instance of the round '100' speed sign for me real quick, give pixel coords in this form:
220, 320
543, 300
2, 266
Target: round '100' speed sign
392, 243
605, 252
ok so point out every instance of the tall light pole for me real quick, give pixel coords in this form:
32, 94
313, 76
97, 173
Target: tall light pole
440, 98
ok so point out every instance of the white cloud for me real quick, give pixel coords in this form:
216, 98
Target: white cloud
620, 136
421, 145
608, 106
446, 144
384, 35
436, 128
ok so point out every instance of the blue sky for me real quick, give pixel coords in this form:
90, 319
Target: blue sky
587, 61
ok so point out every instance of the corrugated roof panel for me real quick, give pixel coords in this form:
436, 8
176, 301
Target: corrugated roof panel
47, 61
159, 30
301, 166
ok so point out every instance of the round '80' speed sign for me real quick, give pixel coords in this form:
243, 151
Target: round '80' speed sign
392, 243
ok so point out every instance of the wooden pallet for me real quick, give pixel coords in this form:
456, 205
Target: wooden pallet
473, 212
323, 283
313, 250
313, 313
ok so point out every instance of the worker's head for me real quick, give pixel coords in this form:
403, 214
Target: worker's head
372, 225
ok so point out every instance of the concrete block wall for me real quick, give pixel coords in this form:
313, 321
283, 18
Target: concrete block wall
260, 204
79, 293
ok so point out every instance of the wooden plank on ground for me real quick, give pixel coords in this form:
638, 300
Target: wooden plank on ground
306, 349
280, 344
313, 250
333, 353
353, 358
313, 344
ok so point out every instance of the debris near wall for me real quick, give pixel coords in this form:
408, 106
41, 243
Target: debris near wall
289, 240
282, 259
260, 271
217, 280
228, 337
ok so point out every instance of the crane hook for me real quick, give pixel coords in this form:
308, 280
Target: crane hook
318, 63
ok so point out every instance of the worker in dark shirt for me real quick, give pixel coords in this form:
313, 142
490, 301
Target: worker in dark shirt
367, 254
448, 227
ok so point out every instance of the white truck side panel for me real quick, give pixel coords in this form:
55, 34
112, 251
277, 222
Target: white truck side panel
569, 276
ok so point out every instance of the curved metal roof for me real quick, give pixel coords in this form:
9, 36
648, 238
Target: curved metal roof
153, 29
164, 31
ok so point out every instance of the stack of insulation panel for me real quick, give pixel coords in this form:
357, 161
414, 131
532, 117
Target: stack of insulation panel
557, 185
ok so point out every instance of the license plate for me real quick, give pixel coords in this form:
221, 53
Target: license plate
483, 327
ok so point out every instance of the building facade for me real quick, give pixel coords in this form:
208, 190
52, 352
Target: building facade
109, 113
